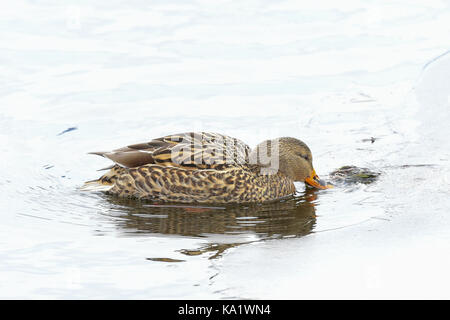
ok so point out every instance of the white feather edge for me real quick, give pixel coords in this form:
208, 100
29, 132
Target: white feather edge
95, 186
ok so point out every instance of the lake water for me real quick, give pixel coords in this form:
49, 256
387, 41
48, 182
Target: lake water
78, 77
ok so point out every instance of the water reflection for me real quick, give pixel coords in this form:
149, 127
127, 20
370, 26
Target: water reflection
223, 226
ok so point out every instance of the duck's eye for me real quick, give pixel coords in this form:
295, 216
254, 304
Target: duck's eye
303, 156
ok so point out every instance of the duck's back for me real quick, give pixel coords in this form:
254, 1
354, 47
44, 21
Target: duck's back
190, 150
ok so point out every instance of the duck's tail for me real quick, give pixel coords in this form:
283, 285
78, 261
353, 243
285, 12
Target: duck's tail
105, 182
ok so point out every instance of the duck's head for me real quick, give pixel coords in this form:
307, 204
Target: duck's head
294, 160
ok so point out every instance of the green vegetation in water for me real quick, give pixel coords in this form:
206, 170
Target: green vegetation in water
353, 174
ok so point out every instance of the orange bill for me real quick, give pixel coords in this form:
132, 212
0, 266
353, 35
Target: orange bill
313, 180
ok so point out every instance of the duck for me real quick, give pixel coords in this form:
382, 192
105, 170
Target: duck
205, 167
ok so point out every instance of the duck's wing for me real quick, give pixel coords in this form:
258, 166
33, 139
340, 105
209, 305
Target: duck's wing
190, 150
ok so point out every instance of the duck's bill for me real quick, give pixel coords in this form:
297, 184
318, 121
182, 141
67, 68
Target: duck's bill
314, 181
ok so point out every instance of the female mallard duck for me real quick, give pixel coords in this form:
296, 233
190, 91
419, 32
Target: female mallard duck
207, 168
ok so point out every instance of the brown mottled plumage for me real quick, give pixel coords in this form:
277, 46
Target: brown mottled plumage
207, 168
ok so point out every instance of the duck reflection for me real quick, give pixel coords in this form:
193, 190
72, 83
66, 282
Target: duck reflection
224, 226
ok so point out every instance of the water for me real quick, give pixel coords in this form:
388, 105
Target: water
78, 77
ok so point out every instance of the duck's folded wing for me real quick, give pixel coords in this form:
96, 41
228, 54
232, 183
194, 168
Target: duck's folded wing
190, 150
